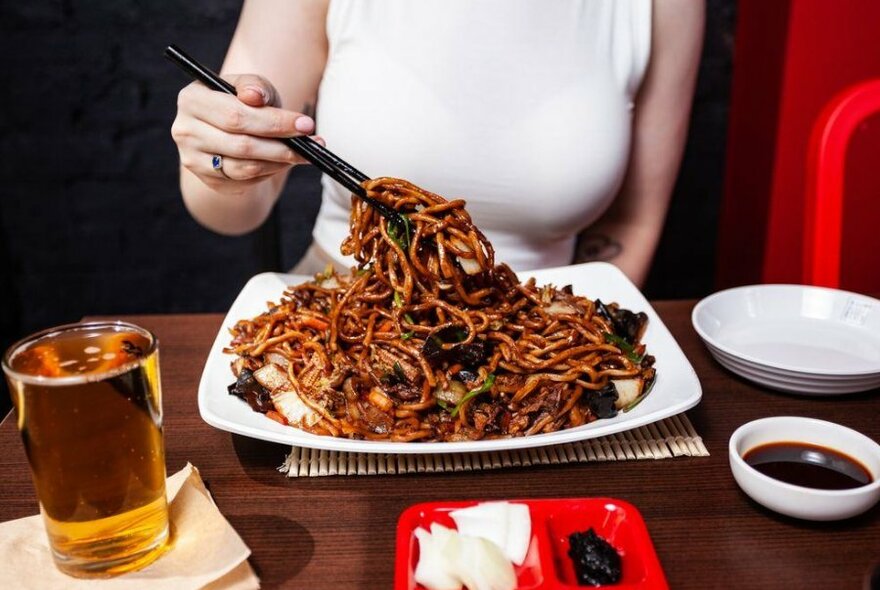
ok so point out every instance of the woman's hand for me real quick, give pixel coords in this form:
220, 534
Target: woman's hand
285, 42
240, 129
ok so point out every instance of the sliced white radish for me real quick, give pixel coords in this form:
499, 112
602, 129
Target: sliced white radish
468, 265
482, 565
437, 552
506, 524
449, 559
448, 543
519, 533
627, 391
487, 520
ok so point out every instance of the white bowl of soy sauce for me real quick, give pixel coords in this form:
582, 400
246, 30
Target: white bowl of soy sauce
806, 468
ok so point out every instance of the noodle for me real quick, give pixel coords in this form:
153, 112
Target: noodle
429, 340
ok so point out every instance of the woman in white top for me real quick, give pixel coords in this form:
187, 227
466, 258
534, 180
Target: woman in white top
547, 117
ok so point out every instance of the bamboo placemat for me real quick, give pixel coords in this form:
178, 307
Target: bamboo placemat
672, 437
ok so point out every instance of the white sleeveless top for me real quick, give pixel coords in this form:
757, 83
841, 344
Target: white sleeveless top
521, 107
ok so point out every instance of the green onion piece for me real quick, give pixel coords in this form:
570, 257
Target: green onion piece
407, 335
392, 233
639, 399
618, 341
486, 386
400, 235
398, 302
407, 229
635, 402
625, 346
442, 404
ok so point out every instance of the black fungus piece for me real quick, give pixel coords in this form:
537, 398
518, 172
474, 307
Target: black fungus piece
629, 325
466, 376
603, 311
470, 355
601, 402
248, 389
596, 562
451, 334
625, 323
432, 351
567, 290
260, 401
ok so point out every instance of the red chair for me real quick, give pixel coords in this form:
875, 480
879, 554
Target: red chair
826, 160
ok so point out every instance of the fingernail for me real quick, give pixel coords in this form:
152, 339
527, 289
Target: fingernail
259, 91
304, 124
320, 140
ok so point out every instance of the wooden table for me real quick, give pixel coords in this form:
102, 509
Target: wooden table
339, 532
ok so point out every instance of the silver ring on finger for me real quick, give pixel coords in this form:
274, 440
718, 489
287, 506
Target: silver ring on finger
217, 164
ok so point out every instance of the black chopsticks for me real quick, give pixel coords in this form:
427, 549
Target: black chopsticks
325, 160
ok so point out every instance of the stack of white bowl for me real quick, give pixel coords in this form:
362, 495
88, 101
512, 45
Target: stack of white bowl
794, 338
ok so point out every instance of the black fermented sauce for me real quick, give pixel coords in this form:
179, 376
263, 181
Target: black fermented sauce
596, 562
809, 466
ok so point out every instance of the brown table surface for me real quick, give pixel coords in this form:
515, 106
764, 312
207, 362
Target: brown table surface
339, 532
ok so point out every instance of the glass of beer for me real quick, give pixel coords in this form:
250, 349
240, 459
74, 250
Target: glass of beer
89, 410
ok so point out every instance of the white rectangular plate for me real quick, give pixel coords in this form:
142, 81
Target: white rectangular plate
676, 390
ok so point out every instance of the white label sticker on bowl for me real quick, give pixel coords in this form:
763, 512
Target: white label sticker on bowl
856, 312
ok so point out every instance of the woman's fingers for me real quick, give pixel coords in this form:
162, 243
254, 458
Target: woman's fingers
209, 139
247, 169
223, 138
255, 90
236, 169
244, 157
230, 114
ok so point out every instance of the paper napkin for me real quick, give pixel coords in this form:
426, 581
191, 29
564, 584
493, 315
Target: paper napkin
206, 551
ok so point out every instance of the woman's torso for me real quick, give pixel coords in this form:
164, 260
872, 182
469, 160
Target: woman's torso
523, 108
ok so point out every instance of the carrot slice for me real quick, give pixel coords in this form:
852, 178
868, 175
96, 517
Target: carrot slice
273, 415
385, 326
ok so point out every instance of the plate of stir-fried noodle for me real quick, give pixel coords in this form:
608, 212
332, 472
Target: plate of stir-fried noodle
427, 345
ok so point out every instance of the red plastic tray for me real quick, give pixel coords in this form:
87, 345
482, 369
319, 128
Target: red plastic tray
547, 564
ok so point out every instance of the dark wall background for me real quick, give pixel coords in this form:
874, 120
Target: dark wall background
91, 220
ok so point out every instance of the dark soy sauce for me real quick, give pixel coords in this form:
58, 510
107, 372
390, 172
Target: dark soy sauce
810, 466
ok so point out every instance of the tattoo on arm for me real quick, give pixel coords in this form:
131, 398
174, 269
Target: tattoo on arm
309, 109
593, 247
